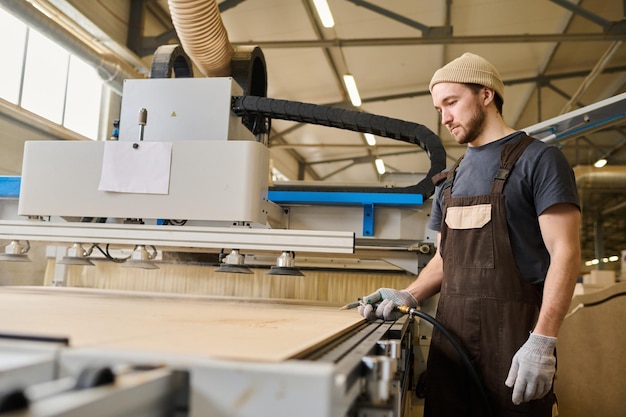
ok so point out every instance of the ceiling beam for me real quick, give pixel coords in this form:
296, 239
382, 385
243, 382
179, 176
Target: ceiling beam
593, 74
332, 62
438, 40
334, 56
544, 65
136, 18
543, 80
425, 29
606, 25
277, 140
228, 4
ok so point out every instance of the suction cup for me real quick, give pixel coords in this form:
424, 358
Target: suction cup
285, 265
15, 252
233, 262
14, 257
73, 260
140, 258
234, 269
139, 264
284, 270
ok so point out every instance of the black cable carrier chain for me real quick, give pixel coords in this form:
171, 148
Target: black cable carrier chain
356, 121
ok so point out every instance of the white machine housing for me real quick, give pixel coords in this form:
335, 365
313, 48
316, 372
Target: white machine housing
182, 109
209, 180
218, 171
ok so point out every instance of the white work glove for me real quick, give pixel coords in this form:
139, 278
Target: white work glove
387, 299
532, 369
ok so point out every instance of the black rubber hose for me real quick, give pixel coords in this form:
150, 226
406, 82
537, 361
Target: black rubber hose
464, 358
356, 121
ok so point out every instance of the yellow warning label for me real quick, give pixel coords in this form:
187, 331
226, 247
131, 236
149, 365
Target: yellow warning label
173, 114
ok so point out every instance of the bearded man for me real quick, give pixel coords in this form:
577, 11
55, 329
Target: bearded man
507, 216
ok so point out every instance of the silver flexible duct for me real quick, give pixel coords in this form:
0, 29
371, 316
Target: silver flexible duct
588, 176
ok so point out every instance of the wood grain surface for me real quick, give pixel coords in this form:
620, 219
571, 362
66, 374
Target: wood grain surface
178, 324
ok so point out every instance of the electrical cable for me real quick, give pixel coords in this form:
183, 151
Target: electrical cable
107, 255
174, 222
595, 303
463, 356
592, 304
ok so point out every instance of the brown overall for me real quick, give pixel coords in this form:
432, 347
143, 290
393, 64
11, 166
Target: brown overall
485, 304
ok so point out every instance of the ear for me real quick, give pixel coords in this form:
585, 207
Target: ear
488, 95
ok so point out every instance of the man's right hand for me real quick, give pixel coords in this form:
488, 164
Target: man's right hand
382, 304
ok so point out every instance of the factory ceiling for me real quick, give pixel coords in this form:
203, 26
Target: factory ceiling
555, 56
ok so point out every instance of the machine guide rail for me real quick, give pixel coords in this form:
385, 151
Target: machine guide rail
372, 365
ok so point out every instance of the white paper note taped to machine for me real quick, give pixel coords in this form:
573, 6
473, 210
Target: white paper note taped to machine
143, 169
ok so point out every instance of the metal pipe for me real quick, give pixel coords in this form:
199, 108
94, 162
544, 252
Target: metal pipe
588, 176
438, 40
111, 72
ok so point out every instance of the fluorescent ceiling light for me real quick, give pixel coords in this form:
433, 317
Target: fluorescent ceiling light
353, 92
380, 166
323, 11
613, 258
600, 163
370, 139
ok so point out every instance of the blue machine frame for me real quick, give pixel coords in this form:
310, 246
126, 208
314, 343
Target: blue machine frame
367, 200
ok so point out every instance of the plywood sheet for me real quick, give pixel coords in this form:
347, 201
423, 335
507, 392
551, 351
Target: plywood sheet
203, 326
591, 356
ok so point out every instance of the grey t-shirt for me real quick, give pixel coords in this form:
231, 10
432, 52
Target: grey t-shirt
541, 178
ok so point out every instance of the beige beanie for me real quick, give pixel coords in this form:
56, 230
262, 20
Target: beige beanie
469, 69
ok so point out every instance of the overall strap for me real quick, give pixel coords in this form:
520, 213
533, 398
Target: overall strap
508, 157
448, 176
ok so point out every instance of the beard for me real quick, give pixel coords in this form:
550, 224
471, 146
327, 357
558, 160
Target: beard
473, 128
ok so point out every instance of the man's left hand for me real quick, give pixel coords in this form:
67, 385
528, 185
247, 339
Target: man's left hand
532, 369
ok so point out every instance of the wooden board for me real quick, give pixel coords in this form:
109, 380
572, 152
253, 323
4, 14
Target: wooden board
591, 356
202, 326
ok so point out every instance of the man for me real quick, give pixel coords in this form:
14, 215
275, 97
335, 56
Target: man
508, 256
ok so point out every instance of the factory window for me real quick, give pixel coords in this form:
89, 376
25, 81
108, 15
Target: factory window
13, 40
44, 78
45, 74
84, 91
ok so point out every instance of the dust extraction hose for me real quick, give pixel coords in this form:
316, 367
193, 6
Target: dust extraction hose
202, 35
